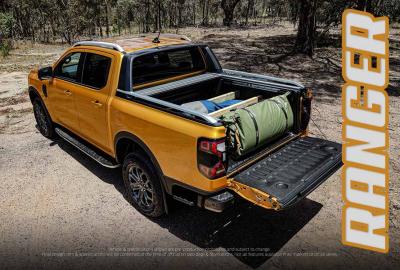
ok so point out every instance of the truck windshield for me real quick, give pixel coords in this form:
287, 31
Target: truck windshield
151, 68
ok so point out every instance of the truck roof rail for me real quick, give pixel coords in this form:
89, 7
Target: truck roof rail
101, 44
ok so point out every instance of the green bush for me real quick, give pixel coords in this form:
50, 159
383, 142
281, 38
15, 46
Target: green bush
6, 25
5, 47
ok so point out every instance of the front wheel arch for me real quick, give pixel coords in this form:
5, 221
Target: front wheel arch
33, 94
44, 122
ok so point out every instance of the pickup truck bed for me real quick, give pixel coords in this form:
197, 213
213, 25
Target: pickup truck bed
250, 88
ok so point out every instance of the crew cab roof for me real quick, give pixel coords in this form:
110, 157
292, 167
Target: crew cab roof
138, 43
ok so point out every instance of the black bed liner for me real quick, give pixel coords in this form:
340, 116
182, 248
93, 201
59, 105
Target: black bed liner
295, 170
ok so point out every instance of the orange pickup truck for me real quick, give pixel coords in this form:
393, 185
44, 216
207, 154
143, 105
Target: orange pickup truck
122, 104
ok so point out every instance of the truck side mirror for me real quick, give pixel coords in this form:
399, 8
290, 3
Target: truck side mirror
45, 73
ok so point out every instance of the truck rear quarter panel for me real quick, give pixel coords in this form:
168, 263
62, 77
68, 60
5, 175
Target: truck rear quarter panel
171, 139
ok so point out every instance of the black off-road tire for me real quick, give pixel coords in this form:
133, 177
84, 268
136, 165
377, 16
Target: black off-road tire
43, 120
141, 180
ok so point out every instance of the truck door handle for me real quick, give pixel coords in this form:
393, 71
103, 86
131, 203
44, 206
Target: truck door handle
67, 92
97, 103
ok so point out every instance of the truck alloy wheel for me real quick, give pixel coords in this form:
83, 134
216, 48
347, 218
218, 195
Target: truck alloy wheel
142, 185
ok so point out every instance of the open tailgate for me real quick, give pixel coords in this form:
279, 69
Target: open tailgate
289, 174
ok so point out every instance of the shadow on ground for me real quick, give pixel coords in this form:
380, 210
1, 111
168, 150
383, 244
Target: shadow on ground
243, 226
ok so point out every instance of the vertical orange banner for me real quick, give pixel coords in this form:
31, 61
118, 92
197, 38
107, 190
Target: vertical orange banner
365, 110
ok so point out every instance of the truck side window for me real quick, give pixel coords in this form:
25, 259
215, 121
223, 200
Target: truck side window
95, 70
68, 67
166, 64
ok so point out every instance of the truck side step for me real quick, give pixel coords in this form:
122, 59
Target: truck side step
96, 155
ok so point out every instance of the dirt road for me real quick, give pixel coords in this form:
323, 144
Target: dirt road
61, 209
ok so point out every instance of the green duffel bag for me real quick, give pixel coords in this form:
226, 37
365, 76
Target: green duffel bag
256, 125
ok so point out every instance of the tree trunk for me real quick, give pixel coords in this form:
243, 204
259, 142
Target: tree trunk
157, 21
254, 13
181, 5
250, 5
194, 12
99, 26
159, 15
107, 18
228, 6
306, 29
365, 5
205, 13
147, 28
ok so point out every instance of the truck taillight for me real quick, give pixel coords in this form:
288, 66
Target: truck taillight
211, 157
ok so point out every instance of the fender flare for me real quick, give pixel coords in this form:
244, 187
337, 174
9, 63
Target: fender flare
35, 92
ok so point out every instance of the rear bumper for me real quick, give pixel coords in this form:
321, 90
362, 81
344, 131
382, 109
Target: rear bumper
218, 203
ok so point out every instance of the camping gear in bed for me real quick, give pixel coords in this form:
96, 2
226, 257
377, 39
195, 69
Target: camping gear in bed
209, 106
254, 126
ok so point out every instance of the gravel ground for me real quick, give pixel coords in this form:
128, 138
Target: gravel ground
59, 209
